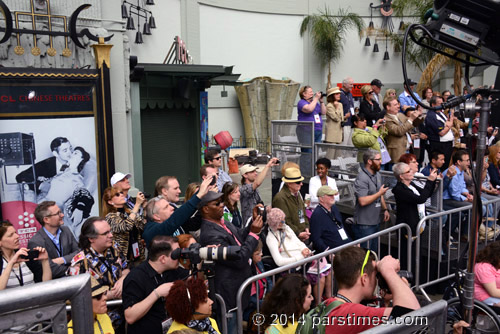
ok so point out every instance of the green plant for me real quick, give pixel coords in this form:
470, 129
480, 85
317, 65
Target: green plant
328, 34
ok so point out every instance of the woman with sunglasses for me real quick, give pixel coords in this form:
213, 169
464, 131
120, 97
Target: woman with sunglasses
369, 107
126, 225
285, 304
190, 308
102, 322
231, 198
14, 271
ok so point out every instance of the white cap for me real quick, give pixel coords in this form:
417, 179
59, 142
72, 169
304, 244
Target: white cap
117, 177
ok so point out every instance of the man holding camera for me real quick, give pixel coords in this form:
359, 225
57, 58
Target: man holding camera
145, 288
230, 274
356, 274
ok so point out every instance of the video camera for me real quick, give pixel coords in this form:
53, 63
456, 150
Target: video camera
195, 253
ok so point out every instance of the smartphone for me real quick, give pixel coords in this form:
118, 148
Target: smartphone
387, 185
32, 254
261, 211
214, 180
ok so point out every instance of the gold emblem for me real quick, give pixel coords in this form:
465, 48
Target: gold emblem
36, 51
66, 52
19, 50
51, 52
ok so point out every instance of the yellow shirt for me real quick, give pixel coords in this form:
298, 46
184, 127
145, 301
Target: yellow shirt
101, 319
278, 329
177, 326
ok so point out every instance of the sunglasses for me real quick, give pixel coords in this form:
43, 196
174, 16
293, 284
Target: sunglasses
217, 158
298, 182
118, 194
370, 92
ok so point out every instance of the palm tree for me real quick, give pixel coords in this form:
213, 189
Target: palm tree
328, 33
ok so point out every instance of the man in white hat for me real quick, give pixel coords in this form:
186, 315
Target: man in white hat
250, 181
290, 201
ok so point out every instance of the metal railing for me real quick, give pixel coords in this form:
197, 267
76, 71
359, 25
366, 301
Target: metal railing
435, 250
41, 307
429, 319
294, 141
387, 232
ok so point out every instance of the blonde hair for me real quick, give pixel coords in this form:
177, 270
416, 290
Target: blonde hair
388, 93
288, 164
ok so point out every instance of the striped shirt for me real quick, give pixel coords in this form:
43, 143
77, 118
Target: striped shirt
15, 276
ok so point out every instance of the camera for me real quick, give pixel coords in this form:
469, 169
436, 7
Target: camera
323, 94
261, 211
195, 253
32, 254
214, 180
402, 273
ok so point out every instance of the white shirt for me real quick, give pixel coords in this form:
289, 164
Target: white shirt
315, 184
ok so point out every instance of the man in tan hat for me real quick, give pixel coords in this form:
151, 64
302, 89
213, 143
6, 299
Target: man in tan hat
327, 230
250, 181
290, 201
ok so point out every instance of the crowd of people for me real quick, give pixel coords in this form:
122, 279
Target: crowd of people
129, 249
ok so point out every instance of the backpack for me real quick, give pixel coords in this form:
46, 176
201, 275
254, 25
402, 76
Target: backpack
308, 322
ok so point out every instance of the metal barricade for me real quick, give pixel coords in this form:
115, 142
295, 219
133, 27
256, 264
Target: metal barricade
41, 307
294, 141
437, 252
429, 319
387, 232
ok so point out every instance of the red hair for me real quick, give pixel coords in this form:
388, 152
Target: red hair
407, 157
179, 305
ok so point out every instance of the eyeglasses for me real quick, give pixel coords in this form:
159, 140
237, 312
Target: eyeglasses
58, 213
370, 92
217, 158
376, 159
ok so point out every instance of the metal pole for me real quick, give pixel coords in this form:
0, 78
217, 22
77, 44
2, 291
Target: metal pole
476, 219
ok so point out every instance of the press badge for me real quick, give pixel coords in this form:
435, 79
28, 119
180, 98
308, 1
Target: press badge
317, 119
135, 249
342, 233
377, 205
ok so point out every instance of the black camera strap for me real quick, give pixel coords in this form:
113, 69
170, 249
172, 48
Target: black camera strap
344, 298
20, 277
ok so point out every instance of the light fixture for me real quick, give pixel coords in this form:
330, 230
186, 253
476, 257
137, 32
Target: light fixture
138, 38
386, 53
124, 11
152, 23
129, 10
40, 4
130, 23
367, 41
375, 47
147, 29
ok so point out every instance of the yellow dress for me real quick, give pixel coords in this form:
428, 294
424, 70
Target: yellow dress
101, 319
177, 326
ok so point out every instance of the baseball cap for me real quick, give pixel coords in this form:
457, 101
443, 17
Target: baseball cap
376, 82
326, 190
118, 176
411, 82
247, 169
209, 197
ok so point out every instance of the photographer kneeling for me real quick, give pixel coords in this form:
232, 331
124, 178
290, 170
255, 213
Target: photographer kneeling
229, 274
356, 273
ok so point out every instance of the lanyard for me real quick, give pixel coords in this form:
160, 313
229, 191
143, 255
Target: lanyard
371, 178
332, 217
20, 277
99, 324
58, 249
344, 298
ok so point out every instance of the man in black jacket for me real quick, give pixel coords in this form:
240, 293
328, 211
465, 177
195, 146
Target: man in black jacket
57, 239
229, 274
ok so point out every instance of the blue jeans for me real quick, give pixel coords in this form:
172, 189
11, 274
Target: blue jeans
361, 231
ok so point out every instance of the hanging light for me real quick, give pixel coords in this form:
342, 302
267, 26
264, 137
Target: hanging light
367, 41
375, 47
152, 23
138, 38
124, 11
370, 25
386, 53
147, 29
130, 23
150, 2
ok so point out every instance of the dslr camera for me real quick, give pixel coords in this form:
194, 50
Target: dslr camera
382, 283
195, 253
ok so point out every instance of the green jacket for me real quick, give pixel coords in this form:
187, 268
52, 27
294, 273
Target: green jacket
367, 139
291, 205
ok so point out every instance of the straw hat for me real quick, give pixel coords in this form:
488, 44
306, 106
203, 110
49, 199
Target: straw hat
292, 175
334, 90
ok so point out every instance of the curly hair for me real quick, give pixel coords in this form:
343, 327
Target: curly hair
184, 306
287, 297
490, 254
